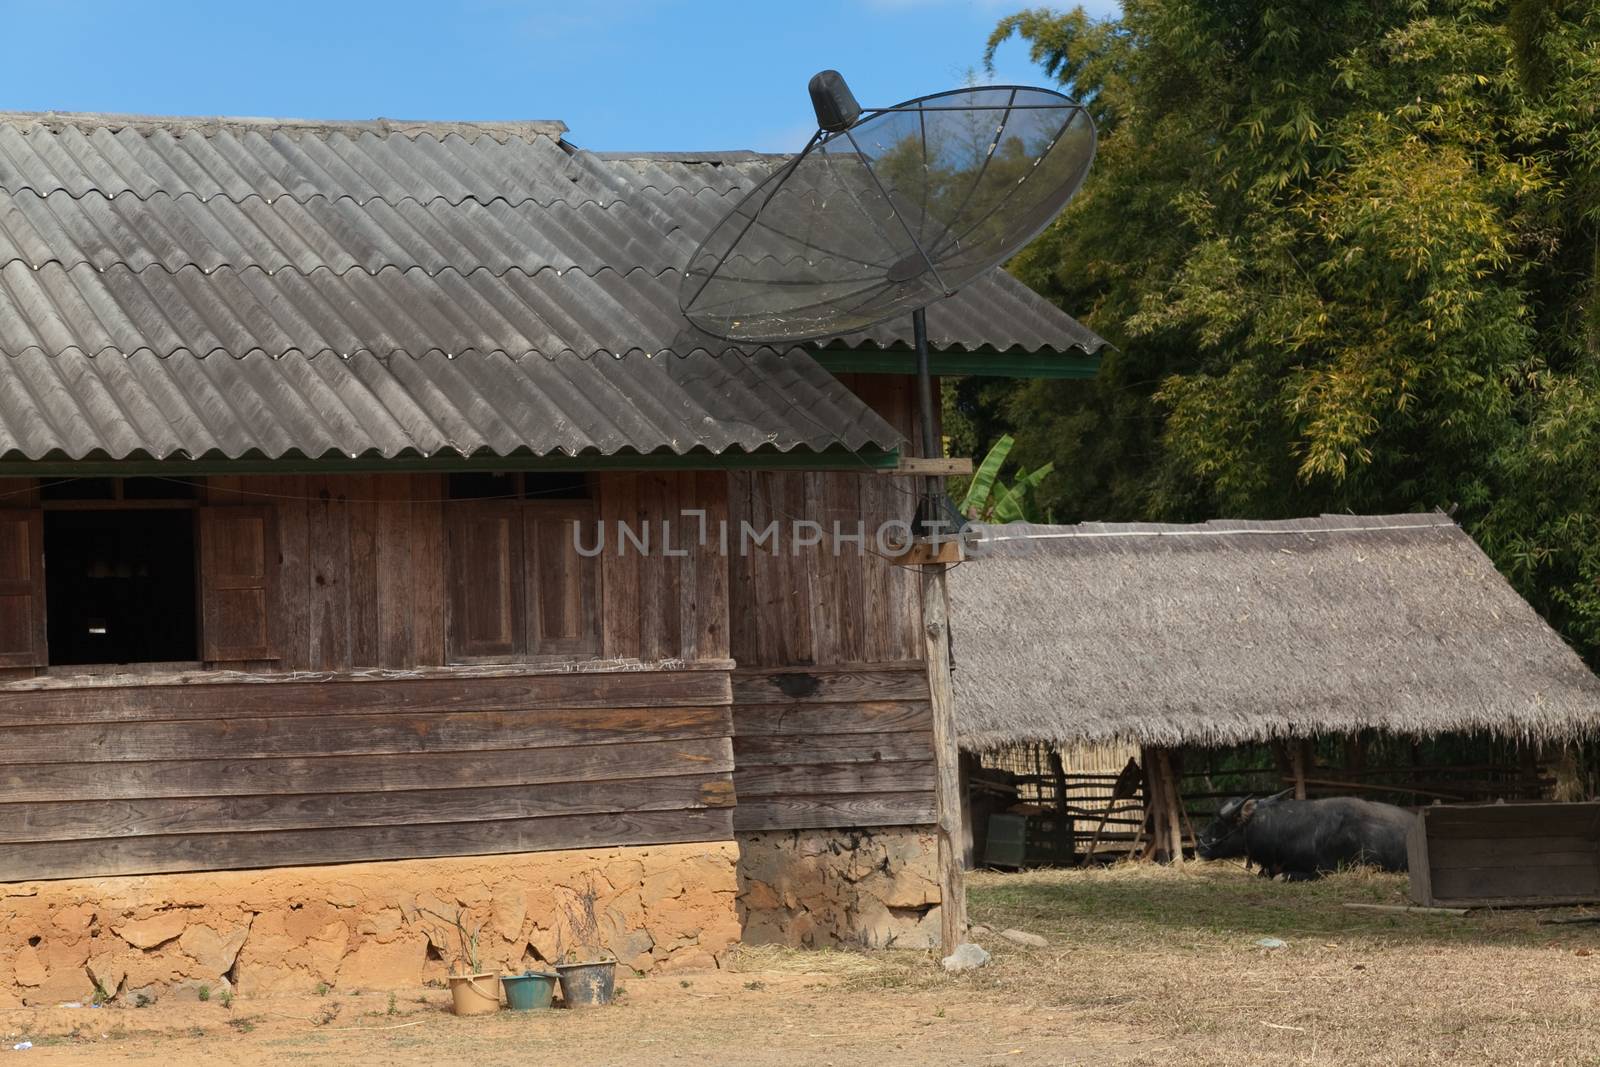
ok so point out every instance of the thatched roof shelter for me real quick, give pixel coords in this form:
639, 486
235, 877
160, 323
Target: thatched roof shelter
1228, 632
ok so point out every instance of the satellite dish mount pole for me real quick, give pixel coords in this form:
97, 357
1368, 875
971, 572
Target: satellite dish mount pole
932, 448
950, 807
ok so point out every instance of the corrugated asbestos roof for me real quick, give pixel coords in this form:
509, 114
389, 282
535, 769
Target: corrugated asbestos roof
395, 288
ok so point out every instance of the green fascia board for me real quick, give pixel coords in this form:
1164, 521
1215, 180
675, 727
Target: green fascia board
1046, 364
870, 458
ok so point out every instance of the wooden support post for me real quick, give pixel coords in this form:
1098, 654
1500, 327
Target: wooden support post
1155, 802
946, 760
969, 842
1355, 753
1298, 758
1174, 804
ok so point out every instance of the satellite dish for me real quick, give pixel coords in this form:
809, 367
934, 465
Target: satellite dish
887, 210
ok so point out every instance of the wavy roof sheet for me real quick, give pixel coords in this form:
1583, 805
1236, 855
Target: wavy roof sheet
419, 262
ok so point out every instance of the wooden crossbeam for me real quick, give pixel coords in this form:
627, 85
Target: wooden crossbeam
938, 468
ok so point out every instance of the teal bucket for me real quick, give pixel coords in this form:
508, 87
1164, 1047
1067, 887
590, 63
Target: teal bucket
529, 991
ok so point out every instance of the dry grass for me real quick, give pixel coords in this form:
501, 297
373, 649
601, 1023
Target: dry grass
1172, 953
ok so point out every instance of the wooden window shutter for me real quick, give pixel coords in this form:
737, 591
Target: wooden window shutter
486, 587
238, 565
563, 585
22, 634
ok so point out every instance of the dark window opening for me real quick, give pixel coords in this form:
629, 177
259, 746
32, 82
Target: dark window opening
158, 489
79, 489
117, 489
530, 485
555, 485
481, 486
120, 586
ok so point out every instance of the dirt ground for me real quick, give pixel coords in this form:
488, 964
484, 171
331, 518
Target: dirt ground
1143, 966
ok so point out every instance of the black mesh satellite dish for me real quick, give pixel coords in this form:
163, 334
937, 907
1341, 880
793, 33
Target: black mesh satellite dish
887, 210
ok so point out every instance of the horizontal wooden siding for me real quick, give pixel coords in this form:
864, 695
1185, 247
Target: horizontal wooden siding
108, 780
832, 747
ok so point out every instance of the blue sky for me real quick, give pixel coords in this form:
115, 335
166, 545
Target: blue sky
624, 74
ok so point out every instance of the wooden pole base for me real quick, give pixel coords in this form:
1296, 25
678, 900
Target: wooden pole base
947, 760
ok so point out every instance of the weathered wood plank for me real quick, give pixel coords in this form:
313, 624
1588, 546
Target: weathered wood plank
1493, 851
457, 731
363, 604
832, 748
1467, 883
783, 595
881, 636
292, 624
830, 685
830, 611
328, 526
562, 585
710, 493
910, 776
806, 812
1513, 820
280, 848
842, 503
428, 570
93, 820
619, 578
599, 689
19, 492
395, 592
361, 773
685, 537
238, 577
743, 644
1586, 856
878, 716
660, 600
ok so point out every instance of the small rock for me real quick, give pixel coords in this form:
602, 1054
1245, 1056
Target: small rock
1271, 943
966, 957
1022, 937
979, 930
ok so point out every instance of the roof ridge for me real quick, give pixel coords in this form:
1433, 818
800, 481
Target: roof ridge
725, 350
209, 125
425, 201
734, 155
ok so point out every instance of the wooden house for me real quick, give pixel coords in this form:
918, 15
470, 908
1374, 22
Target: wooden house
1335, 636
298, 646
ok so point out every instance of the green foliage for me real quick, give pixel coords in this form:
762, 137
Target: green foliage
1348, 253
988, 499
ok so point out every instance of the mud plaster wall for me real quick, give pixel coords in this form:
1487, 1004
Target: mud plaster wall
876, 888
358, 926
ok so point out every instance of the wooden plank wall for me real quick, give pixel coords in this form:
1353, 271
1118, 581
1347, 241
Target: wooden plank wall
115, 780
832, 725
1505, 855
833, 748
362, 577
816, 608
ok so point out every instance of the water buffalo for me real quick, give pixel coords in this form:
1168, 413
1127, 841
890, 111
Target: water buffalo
1304, 839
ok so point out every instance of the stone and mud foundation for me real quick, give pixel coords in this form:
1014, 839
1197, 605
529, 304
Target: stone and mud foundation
360, 926
876, 888
387, 926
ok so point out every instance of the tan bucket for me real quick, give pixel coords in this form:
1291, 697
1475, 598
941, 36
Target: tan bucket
474, 994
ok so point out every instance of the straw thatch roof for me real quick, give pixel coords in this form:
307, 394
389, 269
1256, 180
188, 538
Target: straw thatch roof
1243, 631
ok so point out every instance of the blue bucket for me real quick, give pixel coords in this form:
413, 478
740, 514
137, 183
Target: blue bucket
528, 991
